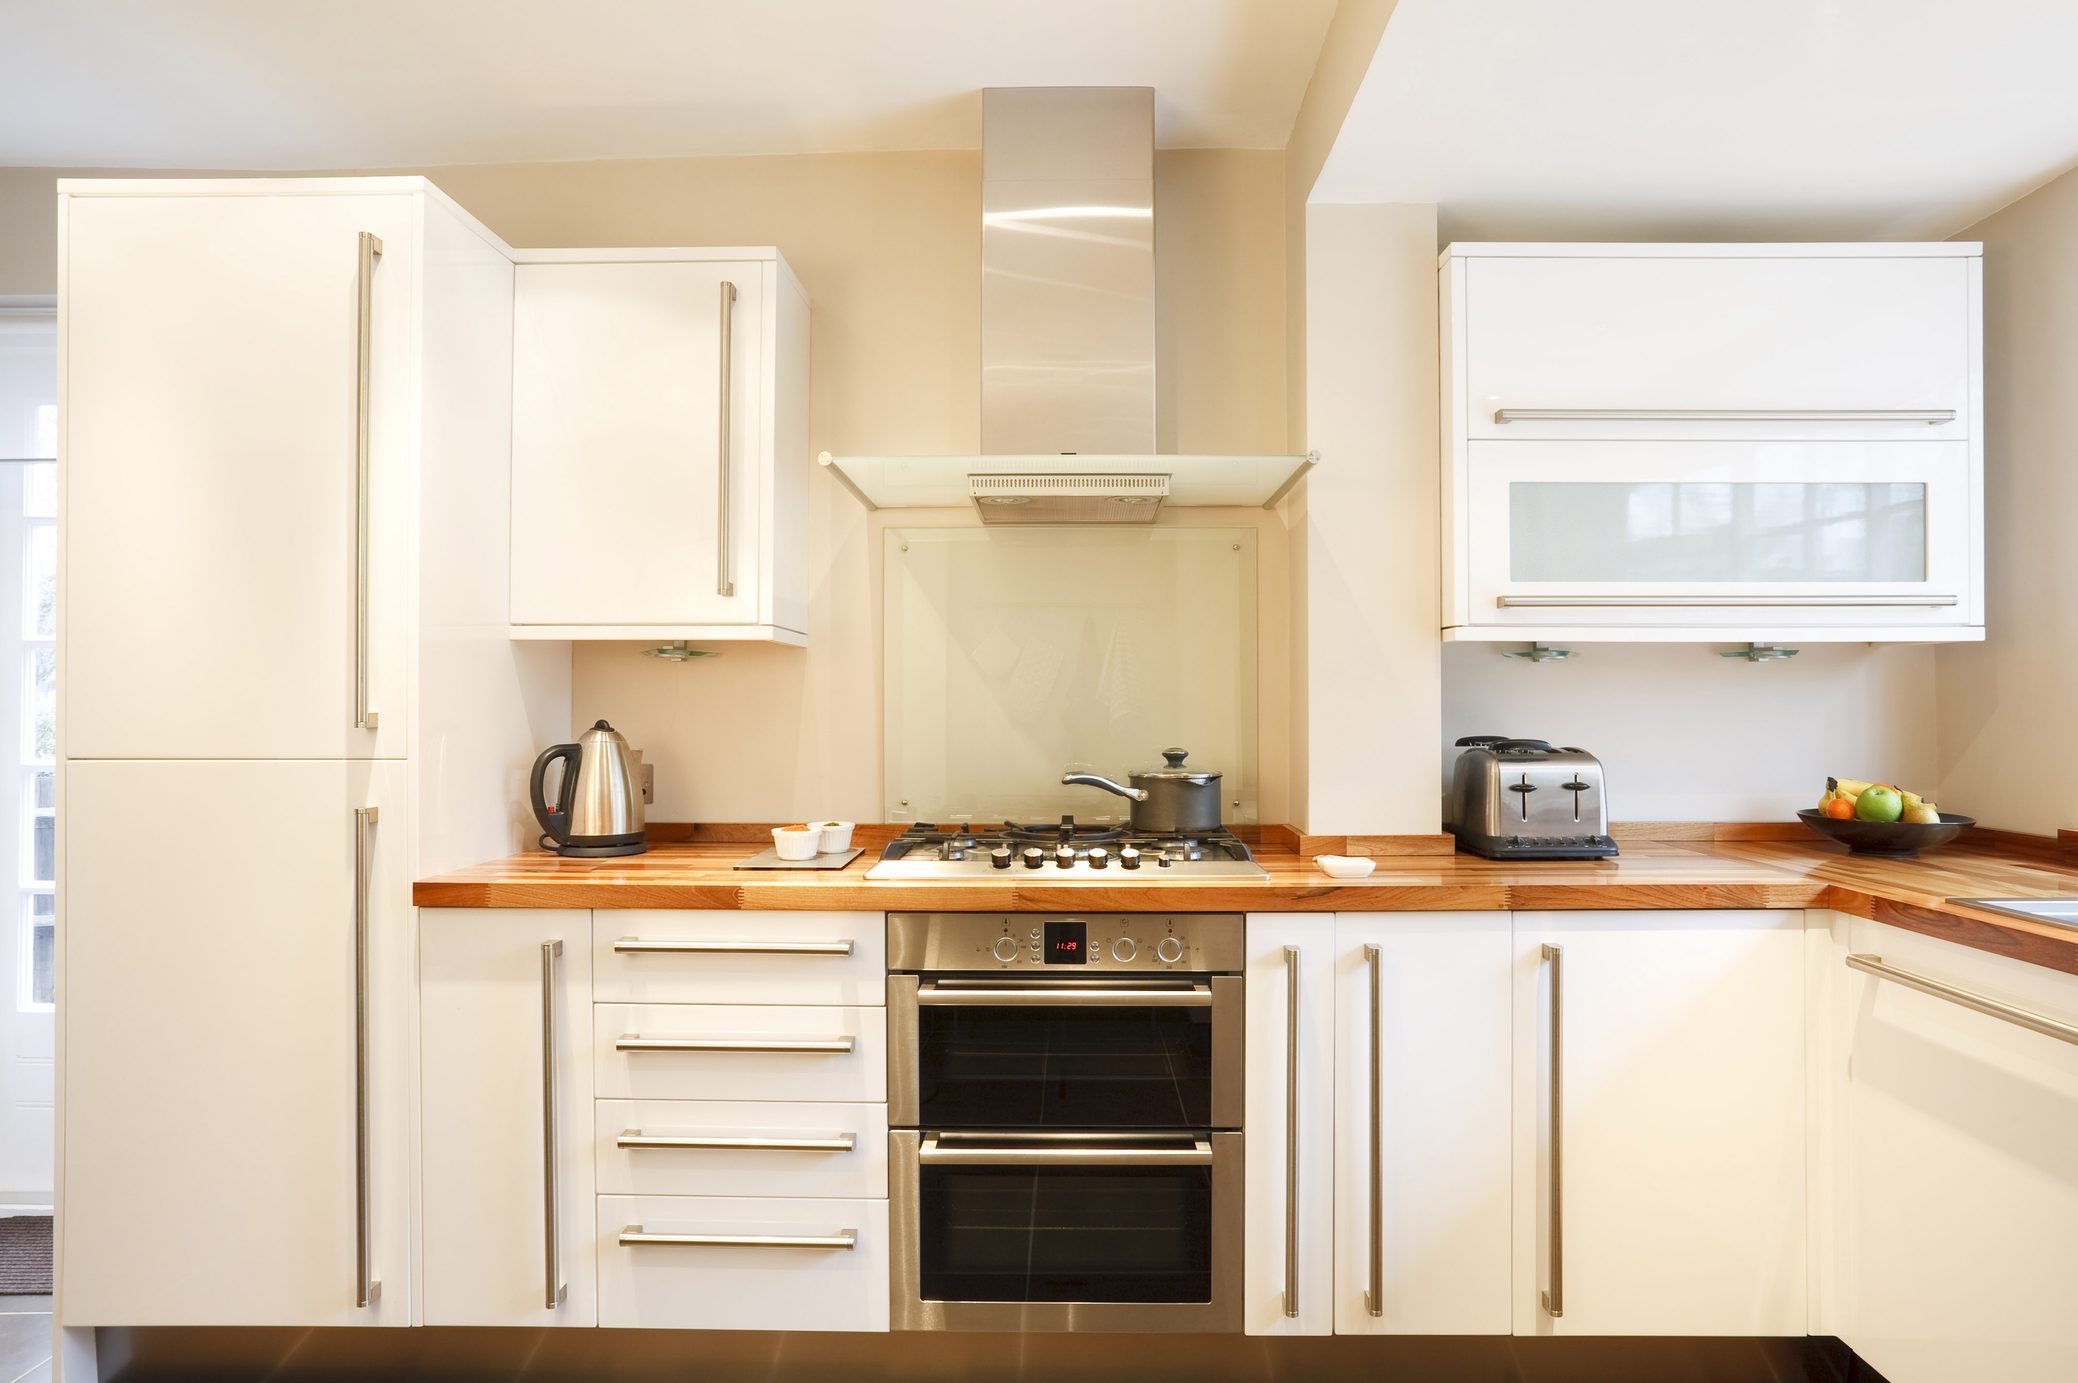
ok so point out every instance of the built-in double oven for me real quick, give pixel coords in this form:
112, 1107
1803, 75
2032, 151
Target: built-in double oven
1064, 1099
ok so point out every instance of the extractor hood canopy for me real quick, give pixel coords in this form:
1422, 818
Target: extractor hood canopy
1067, 332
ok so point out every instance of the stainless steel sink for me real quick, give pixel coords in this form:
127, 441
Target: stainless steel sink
2061, 911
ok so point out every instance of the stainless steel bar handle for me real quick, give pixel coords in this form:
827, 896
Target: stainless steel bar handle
1970, 999
1044, 995
1291, 1131
824, 1142
551, 1152
1554, 1297
636, 1042
647, 945
842, 1239
1715, 602
1374, 1296
1012, 1154
371, 250
724, 583
1931, 416
366, 1288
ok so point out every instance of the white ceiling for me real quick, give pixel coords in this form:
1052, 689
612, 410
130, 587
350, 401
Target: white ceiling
327, 84
1695, 119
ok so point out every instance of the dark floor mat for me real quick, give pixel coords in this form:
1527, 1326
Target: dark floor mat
25, 1255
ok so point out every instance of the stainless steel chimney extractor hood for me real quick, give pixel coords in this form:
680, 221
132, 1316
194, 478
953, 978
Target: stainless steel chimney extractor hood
1067, 332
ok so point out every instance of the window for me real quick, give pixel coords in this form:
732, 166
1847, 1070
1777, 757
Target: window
37, 850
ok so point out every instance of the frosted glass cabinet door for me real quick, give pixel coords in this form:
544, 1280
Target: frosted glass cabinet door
618, 376
210, 1168
211, 581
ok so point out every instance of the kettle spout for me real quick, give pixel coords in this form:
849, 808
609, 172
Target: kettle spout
1094, 780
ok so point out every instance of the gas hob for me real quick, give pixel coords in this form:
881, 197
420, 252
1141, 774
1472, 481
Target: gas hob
1063, 852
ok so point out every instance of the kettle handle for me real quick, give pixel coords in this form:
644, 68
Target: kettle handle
556, 823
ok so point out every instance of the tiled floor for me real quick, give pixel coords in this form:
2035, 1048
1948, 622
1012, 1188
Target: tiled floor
25, 1339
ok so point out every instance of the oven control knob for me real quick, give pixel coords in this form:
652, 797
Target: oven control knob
999, 857
1129, 858
1034, 857
1124, 949
1099, 857
1005, 949
1169, 950
1064, 856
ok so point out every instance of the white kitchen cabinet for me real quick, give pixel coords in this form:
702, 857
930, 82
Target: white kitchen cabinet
1660, 1153
740, 1052
1288, 1278
212, 1153
1957, 1167
742, 1148
659, 451
1422, 1109
1713, 442
682, 956
505, 1051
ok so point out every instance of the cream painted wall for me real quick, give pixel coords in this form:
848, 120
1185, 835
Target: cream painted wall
2009, 754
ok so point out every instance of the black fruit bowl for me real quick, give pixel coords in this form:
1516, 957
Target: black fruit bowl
1896, 839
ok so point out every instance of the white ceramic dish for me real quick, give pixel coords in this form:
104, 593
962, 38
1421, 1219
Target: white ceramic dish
1345, 866
836, 835
796, 845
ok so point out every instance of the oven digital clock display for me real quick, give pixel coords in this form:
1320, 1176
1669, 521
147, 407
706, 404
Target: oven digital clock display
1067, 943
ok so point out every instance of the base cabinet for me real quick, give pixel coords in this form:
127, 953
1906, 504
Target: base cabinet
1660, 1154
507, 1075
1959, 1185
713, 1263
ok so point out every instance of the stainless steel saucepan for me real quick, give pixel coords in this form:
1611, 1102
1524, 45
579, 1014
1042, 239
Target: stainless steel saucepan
1169, 799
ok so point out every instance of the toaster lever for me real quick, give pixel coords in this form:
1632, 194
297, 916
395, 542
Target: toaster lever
1525, 788
1576, 787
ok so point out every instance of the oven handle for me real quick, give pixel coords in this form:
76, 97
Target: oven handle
1045, 995
1047, 1154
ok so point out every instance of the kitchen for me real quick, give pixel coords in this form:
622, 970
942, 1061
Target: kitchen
696, 446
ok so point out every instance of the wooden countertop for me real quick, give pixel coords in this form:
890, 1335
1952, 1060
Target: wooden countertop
1716, 868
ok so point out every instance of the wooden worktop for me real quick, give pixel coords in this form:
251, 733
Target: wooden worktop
1693, 867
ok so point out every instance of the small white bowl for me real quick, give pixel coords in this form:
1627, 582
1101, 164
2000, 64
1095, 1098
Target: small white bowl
836, 835
1345, 866
791, 844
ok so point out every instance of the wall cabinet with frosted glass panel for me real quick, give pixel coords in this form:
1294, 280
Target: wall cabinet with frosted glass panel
1713, 442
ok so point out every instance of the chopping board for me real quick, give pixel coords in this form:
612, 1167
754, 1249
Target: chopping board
766, 859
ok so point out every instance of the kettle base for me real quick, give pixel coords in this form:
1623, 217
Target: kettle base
598, 847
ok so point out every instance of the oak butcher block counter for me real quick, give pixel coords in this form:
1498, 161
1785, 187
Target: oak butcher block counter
1678, 867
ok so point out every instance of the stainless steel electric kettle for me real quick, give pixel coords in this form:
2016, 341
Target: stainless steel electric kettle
598, 809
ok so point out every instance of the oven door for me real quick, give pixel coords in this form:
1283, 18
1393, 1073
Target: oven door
1092, 1053
1007, 1232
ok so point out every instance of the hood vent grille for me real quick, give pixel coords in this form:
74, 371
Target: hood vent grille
1067, 498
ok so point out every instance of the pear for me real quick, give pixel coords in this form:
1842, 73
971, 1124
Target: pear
1921, 813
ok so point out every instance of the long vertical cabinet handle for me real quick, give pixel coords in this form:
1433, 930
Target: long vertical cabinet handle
366, 1288
1554, 1297
1291, 1131
724, 584
1374, 1298
551, 1162
371, 251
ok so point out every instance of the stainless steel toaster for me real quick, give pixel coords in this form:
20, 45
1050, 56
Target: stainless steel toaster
1514, 799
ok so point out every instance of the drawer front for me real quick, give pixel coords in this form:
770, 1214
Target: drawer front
1720, 533
690, 1268
675, 957
740, 1052
730, 1148
1815, 342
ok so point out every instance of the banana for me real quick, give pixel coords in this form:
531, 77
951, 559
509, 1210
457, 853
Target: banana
1848, 787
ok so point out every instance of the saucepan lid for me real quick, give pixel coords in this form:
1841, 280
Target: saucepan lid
1172, 769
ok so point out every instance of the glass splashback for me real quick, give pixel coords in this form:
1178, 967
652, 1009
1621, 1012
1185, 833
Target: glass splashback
1011, 655
1715, 531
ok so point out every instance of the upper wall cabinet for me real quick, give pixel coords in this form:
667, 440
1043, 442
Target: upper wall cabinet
660, 447
1713, 442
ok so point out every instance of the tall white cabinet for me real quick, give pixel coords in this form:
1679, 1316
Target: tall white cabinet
286, 421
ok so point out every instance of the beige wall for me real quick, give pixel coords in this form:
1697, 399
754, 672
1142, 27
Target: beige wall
888, 246
2008, 750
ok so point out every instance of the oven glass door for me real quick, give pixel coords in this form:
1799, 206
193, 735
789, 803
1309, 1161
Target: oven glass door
1008, 1221
1093, 1055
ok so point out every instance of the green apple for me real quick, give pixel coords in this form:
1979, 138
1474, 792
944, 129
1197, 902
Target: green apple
1879, 802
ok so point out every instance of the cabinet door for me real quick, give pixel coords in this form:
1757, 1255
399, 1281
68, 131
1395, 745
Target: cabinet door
212, 1093
1290, 1159
1828, 335
1959, 1186
618, 468
211, 502
1659, 1123
1421, 1123
505, 1006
